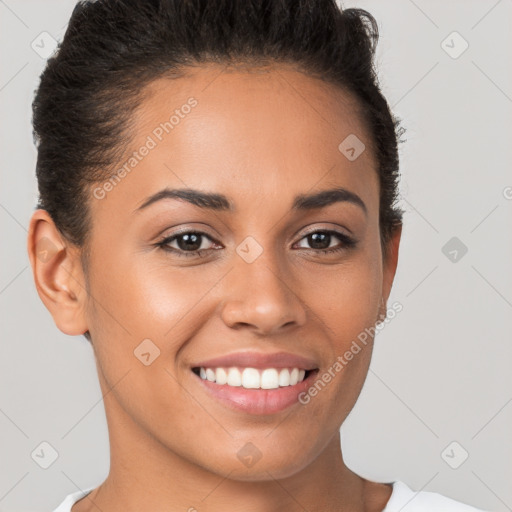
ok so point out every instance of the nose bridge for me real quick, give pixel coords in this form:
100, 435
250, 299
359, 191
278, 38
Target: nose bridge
258, 293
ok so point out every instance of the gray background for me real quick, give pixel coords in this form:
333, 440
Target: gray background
441, 368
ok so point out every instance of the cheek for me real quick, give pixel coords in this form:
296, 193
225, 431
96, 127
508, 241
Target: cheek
346, 297
140, 309
137, 299
347, 305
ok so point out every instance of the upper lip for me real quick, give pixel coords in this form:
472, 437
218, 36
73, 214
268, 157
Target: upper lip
259, 360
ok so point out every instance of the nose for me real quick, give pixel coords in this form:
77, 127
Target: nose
262, 296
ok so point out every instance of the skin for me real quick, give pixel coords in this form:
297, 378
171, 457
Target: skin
261, 138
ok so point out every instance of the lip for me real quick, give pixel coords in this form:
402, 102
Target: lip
256, 401
259, 360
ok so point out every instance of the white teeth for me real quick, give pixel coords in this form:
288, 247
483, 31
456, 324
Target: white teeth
270, 379
284, 377
253, 378
221, 377
234, 377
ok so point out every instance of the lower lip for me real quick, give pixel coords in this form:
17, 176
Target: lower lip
257, 401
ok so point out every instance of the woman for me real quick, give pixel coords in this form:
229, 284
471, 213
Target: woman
217, 216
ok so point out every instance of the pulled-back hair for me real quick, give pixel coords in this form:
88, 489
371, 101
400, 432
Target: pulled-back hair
112, 49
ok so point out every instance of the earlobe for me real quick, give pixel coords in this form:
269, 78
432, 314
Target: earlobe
57, 273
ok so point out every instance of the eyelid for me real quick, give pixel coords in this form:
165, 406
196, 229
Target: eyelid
174, 232
337, 229
344, 234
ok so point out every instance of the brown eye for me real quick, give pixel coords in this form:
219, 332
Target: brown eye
321, 240
188, 243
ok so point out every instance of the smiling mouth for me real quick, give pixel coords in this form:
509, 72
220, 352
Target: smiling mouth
254, 378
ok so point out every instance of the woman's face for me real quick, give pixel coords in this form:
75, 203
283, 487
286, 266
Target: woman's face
262, 283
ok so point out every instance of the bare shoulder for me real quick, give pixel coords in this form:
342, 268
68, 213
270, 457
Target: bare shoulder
376, 495
85, 504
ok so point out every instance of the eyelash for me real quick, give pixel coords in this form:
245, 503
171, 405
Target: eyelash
347, 243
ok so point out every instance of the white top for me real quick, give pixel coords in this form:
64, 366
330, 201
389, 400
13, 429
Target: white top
402, 499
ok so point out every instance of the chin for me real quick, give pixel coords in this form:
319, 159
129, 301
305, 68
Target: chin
277, 466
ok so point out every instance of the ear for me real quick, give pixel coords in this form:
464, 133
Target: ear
390, 265
58, 274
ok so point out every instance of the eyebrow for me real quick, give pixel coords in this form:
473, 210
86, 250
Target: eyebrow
219, 202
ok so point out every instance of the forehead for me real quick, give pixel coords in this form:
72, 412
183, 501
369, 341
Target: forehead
257, 135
